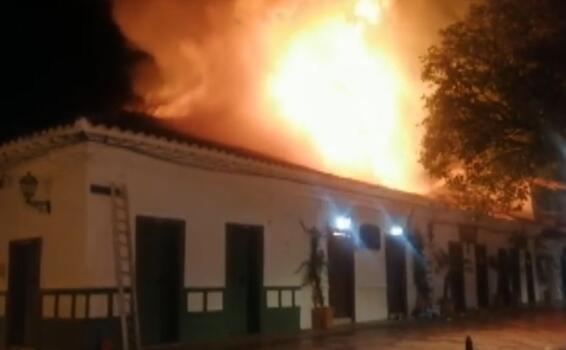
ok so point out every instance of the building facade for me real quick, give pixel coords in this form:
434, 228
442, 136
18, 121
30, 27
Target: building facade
218, 243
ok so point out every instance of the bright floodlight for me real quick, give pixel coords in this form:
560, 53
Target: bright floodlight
339, 234
396, 231
343, 223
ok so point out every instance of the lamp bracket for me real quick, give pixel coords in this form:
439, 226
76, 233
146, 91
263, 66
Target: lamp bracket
41, 206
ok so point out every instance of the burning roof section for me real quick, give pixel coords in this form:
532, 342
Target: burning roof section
154, 138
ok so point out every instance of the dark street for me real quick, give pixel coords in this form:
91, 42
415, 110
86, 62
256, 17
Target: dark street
527, 330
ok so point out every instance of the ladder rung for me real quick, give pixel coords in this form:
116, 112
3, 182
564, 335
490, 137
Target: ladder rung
122, 239
124, 268
123, 245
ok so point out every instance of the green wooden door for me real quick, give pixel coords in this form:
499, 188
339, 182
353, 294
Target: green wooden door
458, 283
23, 302
396, 274
529, 276
244, 278
482, 276
159, 257
515, 275
341, 276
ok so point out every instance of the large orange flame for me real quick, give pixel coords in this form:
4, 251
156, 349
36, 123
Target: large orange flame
345, 92
330, 84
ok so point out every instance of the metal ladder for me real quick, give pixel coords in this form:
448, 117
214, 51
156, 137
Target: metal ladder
125, 269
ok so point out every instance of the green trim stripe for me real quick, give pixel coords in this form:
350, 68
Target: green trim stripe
206, 291
280, 290
88, 294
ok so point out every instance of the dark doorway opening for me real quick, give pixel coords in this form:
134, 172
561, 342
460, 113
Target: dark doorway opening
503, 288
457, 283
515, 275
482, 276
23, 299
530, 278
563, 269
160, 260
396, 271
244, 278
341, 276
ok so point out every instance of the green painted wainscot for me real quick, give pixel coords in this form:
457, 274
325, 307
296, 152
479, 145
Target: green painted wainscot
282, 311
210, 317
84, 318
78, 319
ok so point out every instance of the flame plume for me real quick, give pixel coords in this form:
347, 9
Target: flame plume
346, 95
331, 84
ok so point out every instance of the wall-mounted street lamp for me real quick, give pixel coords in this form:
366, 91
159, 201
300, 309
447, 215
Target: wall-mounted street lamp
343, 223
28, 186
396, 230
342, 226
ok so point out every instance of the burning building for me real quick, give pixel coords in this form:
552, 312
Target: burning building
109, 222
328, 84
217, 239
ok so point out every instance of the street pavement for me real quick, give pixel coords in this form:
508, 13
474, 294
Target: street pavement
544, 330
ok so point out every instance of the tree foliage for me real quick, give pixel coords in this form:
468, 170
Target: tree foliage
496, 108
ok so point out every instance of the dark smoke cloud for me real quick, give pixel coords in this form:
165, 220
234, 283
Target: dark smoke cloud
61, 59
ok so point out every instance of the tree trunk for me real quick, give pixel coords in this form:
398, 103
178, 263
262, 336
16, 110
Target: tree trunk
317, 294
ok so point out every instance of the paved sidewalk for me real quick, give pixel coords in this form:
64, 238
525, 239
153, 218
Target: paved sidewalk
541, 330
517, 330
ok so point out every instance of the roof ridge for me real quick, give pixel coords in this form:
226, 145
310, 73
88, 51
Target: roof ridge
235, 160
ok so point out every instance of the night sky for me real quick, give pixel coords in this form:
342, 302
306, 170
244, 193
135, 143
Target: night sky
64, 58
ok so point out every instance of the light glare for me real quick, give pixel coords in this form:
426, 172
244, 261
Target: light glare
339, 234
345, 93
343, 223
396, 231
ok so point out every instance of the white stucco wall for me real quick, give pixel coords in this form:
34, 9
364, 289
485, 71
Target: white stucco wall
62, 178
207, 200
77, 244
